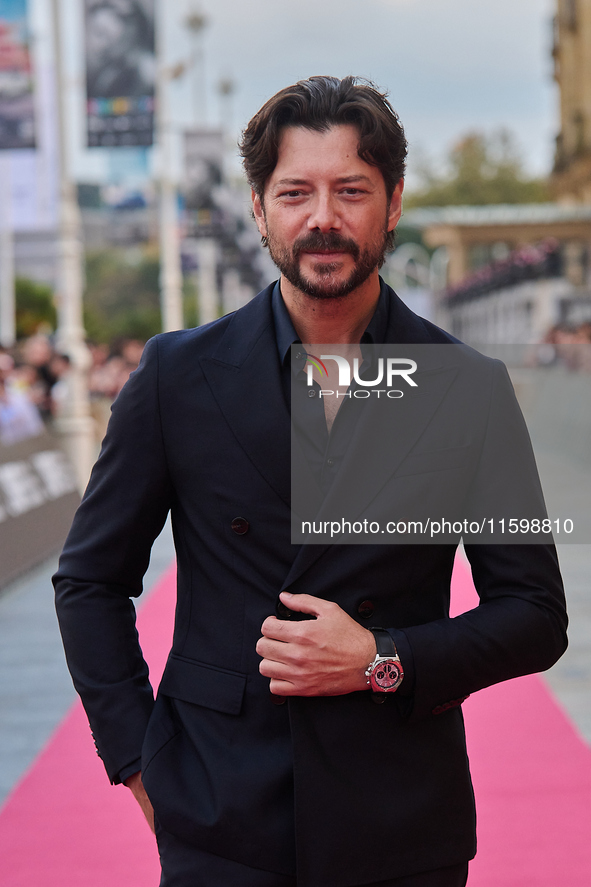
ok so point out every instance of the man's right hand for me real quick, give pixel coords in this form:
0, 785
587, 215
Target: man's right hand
136, 785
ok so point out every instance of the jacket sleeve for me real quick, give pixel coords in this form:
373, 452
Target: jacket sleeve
520, 624
102, 566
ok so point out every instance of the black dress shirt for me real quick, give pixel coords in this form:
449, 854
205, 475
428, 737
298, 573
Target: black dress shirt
324, 450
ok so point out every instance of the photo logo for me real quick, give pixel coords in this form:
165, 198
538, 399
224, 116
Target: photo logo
387, 369
311, 362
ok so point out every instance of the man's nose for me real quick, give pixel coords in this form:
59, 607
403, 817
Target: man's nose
324, 215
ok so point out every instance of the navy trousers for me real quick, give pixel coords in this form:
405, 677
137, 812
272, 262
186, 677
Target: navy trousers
185, 866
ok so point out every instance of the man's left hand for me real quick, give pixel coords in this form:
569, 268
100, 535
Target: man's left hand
326, 656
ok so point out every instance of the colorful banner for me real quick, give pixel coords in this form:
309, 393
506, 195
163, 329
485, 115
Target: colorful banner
17, 111
120, 72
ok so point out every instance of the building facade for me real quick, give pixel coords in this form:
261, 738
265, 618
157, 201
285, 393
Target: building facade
512, 271
572, 71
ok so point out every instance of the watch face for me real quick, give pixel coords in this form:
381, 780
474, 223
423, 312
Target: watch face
387, 675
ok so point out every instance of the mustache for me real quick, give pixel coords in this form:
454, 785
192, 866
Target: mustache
316, 241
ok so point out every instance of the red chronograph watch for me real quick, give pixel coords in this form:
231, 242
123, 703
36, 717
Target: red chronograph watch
385, 673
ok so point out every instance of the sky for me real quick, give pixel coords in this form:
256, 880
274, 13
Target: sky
450, 66
12, 9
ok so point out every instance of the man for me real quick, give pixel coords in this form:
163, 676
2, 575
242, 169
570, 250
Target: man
330, 789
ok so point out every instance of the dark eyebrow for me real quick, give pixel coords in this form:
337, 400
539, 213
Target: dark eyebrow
282, 182
344, 180
350, 179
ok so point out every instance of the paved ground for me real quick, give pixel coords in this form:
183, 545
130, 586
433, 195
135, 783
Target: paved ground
35, 687
570, 678
567, 486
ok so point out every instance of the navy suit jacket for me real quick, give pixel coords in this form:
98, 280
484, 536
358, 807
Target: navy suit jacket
202, 429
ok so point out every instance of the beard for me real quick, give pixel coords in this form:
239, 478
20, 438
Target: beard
288, 261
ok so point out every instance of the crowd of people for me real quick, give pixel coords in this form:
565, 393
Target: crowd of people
564, 345
527, 262
35, 383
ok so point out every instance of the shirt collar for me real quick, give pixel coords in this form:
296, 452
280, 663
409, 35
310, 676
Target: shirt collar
285, 333
286, 336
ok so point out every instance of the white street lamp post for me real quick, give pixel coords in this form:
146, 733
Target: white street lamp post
74, 424
196, 23
171, 275
7, 297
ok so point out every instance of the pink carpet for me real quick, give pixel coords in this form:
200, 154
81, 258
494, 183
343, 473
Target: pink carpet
65, 826
532, 779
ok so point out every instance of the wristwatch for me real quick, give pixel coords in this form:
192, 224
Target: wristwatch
385, 673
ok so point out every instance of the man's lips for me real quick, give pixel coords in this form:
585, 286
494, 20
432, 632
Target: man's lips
327, 255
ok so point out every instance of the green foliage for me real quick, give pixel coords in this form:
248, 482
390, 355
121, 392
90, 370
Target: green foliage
405, 234
481, 169
122, 295
34, 307
190, 312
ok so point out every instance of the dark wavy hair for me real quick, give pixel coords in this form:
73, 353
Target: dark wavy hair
319, 103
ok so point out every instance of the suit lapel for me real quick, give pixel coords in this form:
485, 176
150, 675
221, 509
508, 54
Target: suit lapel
245, 378
386, 433
244, 375
402, 426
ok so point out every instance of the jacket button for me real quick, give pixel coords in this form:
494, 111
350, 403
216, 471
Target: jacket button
282, 611
240, 526
278, 700
365, 609
378, 698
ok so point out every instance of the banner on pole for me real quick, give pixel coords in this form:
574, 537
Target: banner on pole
17, 112
120, 72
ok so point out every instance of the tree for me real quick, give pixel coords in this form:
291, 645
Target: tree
34, 307
481, 169
122, 295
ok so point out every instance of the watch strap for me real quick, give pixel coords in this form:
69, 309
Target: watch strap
385, 646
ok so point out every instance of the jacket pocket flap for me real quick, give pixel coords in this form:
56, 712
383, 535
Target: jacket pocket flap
202, 684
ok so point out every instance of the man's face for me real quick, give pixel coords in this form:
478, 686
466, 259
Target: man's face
325, 212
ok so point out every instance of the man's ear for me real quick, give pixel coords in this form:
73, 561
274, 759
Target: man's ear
259, 215
395, 208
